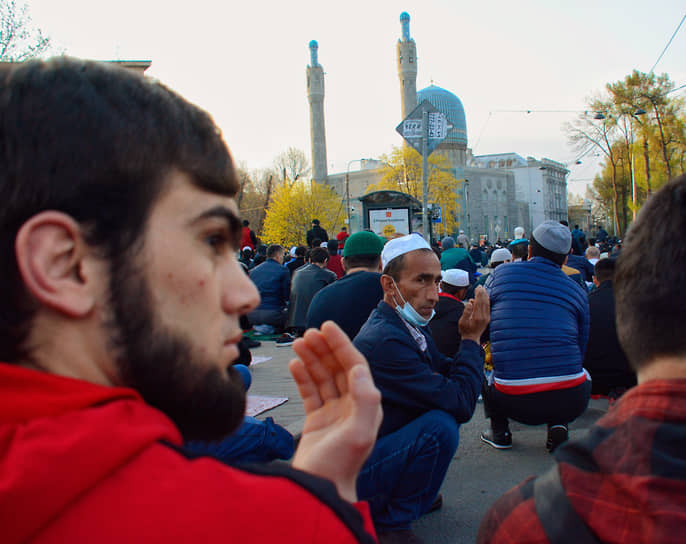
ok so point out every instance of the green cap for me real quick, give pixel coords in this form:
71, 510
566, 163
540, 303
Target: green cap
363, 243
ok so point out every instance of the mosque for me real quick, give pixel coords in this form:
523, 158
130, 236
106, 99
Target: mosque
498, 192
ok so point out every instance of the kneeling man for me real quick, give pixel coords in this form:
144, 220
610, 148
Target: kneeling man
425, 395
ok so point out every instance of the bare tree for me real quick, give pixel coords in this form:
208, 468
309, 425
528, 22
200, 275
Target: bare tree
19, 38
292, 164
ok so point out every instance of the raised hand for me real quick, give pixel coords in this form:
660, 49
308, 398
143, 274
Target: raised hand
476, 316
342, 407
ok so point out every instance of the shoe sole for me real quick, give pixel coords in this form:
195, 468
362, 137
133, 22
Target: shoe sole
495, 444
284, 345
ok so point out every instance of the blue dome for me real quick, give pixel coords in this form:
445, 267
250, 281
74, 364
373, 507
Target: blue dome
314, 44
404, 16
450, 106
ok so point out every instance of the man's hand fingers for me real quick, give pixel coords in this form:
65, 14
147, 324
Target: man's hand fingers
306, 387
340, 345
318, 367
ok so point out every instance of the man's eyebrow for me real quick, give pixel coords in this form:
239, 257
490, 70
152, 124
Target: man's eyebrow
233, 223
427, 276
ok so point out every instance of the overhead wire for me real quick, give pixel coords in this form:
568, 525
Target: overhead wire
668, 44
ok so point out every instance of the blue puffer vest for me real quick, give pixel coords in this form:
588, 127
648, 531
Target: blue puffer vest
539, 323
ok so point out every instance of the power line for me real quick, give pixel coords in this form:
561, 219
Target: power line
668, 44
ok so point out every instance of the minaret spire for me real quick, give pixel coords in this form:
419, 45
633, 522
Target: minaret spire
315, 95
407, 66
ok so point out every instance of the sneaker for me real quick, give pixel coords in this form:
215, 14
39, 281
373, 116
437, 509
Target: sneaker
557, 434
250, 343
401, 536
499, 441
285, 339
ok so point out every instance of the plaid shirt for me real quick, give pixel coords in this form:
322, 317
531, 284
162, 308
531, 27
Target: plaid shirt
625, 480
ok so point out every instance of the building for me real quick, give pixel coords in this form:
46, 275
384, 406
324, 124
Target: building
496, 193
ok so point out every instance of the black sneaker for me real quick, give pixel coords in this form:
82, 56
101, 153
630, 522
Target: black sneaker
284, 340
251, 343
499, 441
557, 434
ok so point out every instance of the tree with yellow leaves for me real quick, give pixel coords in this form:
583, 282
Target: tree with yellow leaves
292, 208
402, 172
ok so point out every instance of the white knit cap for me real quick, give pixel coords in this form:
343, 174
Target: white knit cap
501, 255
400, 246
456, 277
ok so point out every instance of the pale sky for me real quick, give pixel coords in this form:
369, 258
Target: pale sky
244, 62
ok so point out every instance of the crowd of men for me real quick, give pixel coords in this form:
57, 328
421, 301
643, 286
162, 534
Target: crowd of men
124, 305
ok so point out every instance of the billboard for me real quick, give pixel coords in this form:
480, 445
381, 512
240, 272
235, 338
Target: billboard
390, 221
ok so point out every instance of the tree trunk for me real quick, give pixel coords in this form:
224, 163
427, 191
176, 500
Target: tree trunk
646, 157
662, 141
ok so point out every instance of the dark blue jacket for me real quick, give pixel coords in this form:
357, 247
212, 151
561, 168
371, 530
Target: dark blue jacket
539, 323
583, 265
413, 382
273, 281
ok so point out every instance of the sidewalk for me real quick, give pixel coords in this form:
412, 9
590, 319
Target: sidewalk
478, 474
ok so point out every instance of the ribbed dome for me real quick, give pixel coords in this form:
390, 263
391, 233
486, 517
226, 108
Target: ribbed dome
450, 106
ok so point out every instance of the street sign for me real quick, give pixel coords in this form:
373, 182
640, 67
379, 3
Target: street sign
413, 131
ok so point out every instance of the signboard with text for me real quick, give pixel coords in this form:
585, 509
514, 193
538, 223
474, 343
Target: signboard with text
390, 222
412, 127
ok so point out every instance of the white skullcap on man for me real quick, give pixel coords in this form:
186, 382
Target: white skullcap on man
455, 277
519, 232
400, 246
501, 255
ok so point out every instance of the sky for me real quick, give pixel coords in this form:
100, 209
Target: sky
244, 62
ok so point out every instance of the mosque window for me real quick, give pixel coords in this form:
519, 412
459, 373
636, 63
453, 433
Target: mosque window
411, 60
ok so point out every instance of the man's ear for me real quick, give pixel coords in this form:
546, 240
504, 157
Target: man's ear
387, 284
51, 256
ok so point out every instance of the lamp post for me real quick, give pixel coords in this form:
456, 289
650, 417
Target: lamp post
347, 189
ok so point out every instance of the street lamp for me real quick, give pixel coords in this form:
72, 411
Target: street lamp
347, 189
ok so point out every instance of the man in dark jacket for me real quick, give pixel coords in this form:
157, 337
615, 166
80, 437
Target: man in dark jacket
307, 281
444, 325
625, 479
273, 281
605, 359
349, 301
538, 333
298, 261
425, 395
316, 233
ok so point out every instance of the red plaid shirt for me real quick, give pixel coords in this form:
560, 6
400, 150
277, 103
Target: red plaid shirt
626, 478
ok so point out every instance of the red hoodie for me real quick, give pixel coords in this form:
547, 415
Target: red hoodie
81, 462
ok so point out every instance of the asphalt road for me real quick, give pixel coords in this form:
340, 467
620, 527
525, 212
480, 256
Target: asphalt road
478, 474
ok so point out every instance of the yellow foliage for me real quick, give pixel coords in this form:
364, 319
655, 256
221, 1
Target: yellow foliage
293, 207
403, 172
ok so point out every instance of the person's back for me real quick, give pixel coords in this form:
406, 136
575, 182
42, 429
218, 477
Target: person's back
605, 359
307, 281
444, 324
273, 282
539, 321
349, 300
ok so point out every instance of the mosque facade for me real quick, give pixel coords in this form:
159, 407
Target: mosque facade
496, 192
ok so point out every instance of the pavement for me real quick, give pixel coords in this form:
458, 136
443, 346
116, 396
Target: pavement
478, 474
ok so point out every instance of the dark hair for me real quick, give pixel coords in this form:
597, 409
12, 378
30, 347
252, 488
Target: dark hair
246, 222
565, 223
315, 221
604, 270
274, 250
97, 142
300, 251
332, 246
650, 279
451, 289
520, 251
396, 266
537, 250
368, 260
319, 255
247, 253
344, 227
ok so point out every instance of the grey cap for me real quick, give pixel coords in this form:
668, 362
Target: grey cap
554, 237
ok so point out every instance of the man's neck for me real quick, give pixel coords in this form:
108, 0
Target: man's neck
663, 368
359, 269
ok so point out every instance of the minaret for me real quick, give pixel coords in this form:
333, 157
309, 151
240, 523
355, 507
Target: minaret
407, 67
315, 94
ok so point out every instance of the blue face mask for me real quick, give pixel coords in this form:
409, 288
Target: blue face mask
409, 314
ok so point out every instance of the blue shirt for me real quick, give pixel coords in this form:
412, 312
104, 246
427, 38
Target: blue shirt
273, 281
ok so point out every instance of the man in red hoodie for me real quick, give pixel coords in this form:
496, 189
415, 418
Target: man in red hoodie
121, 300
